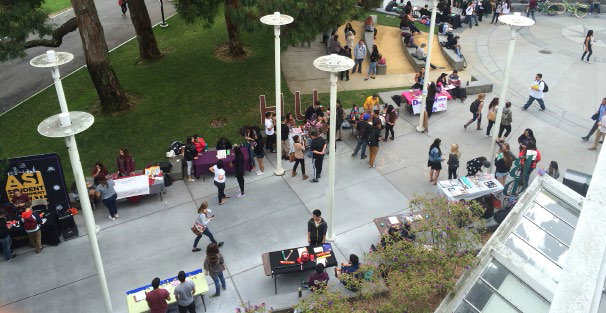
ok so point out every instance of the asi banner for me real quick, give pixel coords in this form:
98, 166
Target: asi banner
40, 177
438, 105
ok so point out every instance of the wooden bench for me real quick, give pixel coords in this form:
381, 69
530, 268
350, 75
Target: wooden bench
451, 56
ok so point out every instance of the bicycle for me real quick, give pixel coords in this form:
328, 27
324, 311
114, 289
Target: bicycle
547, 7
579, 10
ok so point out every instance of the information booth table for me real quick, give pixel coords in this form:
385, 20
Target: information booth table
469, 187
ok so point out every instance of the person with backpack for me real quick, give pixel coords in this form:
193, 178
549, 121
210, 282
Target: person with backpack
506, 120
537, 90
391, 116
214, 265
373, 142
476, 109
201, 227
362, 132
190, 153
106, 192
31, 224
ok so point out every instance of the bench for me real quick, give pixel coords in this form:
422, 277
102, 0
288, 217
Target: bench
369, 40
411, 53
478, 84
451, 56
387, 98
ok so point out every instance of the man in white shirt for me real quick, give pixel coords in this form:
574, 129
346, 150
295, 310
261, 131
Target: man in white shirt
536, 93
270, 131
470, 13
421, 54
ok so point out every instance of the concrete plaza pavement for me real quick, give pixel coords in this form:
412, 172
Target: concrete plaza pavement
152, 238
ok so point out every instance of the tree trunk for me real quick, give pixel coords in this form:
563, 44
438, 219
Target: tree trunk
109, 90
148, 47
235, 46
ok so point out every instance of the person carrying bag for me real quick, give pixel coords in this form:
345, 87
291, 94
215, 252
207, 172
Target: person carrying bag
200, 227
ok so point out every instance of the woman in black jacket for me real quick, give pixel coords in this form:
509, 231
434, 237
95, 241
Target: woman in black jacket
374, 58
189, 155
431, 98
239, 165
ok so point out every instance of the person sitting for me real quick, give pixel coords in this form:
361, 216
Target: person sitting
354, 114
409, 20
348, 268
20, 201
452, 42
125, 163
314, 108
419, 78
369, 26
474, 166
455, 80
223, 144
318, 279
199, 143
395, 234
425, 11
420, 54
99, 170
156, 299
313, 124
444, 28
390, 7
441, 82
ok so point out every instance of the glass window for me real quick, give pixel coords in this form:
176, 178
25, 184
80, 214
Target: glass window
465, 308
482, 297
557, 207
533, 257
542, 241
551, 223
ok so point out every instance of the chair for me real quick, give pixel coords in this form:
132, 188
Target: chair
36, 203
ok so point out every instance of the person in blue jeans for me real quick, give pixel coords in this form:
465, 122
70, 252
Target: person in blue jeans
202, 223
363, 130
470, 13
536, 93
214, 265
106, 192
5, 238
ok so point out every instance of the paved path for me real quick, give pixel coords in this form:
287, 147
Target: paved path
19, 80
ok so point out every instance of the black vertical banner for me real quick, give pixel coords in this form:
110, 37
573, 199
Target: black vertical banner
40, 177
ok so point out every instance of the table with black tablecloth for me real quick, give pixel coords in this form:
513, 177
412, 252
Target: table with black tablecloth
272, 266
209, 158
50, 232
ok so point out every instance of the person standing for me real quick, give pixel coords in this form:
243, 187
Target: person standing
587, 44
497, 12
476, 109
594, 4
125, 163
373, 142
189, 155
199, 143
335, 45
359, 55
284, 139
506, 120
156, 299
123, 7
532, 6
536, 93
479, 10
106, 192
202, 225
219, 181
374, 58
553, 170
601, 132
5, 238
340, 119
362, 132
299, 148
391, 116
259, 153
530, 151
470, 14
370, 103
505, 8
349, 41
316, 229
346, 52
214, 265
492, 114
597, 117
21, 201
435, 161
453, 161
270, 131
318, 148
431, 99
503, 162
239, 165
184, 293
31, 223
526, 138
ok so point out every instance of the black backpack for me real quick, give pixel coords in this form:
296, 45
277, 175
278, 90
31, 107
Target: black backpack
545, 87
176, 147
473, 108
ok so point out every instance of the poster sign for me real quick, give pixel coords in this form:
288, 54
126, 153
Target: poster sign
132, 186
438, 105
39, 177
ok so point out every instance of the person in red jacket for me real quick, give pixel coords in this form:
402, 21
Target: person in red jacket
530, 149
123, 7
125, 163
199, 142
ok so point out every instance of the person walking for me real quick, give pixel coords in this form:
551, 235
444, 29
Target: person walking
184, 294
373, 142
470, 14
219, 181
214, 265
318, 148
431, 99
536, 93
503, 161
362, 132
506, 120
5, 238
497, 12
239, 165
587, 45
374, 58
316, 229
596, 117
359, 56
270, 131
189, 155
391, 116
156, 299
123, 7
106, 192
532, 6
492, 114
601, 132
453, 161
435, 161
476, 109
201, 226
31, 224
299, 148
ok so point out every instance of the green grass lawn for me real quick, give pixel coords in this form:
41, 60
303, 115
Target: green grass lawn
394, 21
52, 6
177, 96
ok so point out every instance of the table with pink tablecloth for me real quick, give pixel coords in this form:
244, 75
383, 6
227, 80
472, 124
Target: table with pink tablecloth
413, 98
209, 158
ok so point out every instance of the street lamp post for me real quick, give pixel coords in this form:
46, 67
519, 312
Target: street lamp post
278, 20
334, 64
516, 22
65, 125
432, 26
163, 24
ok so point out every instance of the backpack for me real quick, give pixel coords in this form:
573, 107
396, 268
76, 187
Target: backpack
176, 147
30, 223
473, 108
545, 87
